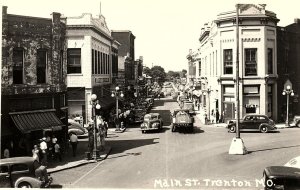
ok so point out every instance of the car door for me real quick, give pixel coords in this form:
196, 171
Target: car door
5, 180
19, 170
248, 123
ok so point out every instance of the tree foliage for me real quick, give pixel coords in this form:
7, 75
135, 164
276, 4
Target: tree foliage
156, 72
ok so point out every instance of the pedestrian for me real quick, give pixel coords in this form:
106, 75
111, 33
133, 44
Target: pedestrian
6, 153
217, 116
35, 153
105, 128
44, 151
91, 138
74, 142
57, 152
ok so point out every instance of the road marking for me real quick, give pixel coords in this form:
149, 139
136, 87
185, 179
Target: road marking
87, 173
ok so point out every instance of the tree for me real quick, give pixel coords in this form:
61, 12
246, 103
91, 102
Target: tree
173, 74
147, 71
157, 72
183, 73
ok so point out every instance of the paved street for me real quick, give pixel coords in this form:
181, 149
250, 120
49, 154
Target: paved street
183, 160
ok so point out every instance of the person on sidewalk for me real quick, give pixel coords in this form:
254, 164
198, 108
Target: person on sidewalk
217, 116
74, 142
57, 152
35, 153
44, 151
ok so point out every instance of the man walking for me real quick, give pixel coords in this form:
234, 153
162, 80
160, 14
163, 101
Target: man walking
74, 142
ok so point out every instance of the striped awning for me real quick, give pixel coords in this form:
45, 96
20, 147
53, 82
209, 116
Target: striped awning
36, 120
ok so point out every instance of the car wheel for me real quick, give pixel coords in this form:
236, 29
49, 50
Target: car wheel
24, 185
264, 129
232, 129
143, 131
298, 124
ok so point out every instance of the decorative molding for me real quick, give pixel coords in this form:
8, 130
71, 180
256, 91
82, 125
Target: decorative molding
251, 39
227, 40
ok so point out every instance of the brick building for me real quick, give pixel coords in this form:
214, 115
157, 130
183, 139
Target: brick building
33, 83
126, 54
288, 63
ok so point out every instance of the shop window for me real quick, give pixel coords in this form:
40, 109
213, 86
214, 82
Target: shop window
270, 98
251, 62
74, 60
228, 61
199, 68
41, 66
18, 65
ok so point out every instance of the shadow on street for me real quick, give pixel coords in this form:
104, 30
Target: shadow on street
260, 150
124, 145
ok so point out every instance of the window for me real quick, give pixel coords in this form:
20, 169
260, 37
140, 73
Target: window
228, 61
74, 60
250, 62
19, 168
18, 66
41, 66
61, 66
199, 68
93, 62
270, 61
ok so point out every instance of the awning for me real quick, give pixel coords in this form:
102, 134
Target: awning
36, 120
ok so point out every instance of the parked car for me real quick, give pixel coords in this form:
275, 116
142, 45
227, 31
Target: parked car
253, 122
181, 118
296, 121
137, 115
75, 127
23, 172
281, 177
152, 121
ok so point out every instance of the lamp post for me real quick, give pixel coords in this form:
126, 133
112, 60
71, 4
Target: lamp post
287, 91
95, 104
117, 93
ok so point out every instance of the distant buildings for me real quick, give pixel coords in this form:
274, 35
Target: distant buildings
33, 83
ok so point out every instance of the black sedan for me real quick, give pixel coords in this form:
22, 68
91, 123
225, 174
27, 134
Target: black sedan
253, 122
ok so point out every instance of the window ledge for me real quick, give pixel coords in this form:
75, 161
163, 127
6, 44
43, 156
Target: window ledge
75, 74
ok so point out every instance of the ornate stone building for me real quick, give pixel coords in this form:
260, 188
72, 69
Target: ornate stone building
257, 62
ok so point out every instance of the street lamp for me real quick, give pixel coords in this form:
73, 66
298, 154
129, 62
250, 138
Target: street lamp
95, 104
287, 91
116, 93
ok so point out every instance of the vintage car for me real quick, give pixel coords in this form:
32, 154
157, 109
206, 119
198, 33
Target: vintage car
137, 115
152, 121
181, 118
75, 127
23, 172
281, 177
296, 121
253, 122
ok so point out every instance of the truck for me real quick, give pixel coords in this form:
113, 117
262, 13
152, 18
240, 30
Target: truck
182, 119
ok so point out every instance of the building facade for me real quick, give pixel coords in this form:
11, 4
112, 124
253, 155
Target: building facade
257, 59
288, 63
33, 83
126, 55
92, 63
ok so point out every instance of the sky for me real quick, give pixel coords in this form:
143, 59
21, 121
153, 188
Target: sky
165, 30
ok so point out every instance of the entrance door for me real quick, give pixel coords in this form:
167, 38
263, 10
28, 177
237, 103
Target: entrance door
228, 111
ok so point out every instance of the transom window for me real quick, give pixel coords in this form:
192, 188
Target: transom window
251, 62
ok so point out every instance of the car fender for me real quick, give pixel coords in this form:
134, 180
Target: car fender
264, 124
35, 183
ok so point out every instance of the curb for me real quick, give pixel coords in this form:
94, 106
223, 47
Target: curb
79, 163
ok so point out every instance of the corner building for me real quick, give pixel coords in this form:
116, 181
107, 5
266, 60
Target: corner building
257, 62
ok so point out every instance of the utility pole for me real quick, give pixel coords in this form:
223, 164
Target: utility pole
237, 144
